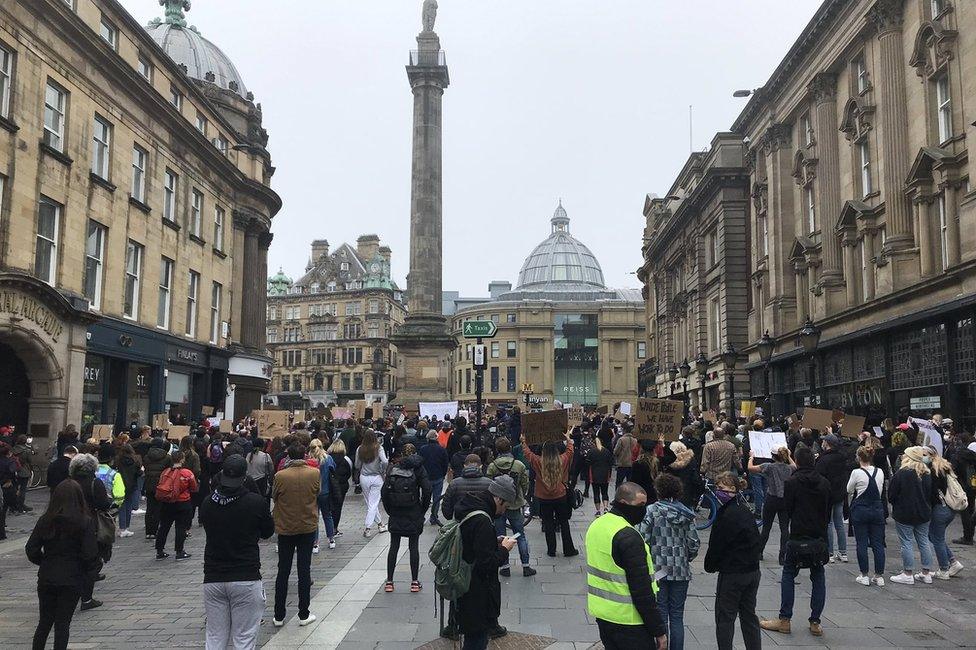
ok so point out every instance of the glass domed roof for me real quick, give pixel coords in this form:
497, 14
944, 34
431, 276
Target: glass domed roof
187, 47
560, 262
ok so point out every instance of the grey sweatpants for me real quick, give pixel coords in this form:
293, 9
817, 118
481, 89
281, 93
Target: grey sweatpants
234, 611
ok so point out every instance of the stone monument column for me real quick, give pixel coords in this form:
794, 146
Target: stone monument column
423, 342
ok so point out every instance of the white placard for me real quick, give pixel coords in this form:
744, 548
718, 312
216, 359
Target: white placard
213, 422
625, 408
762, 442
438, 409
879, 432
928, 434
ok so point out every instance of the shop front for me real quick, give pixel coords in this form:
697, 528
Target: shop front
196, 376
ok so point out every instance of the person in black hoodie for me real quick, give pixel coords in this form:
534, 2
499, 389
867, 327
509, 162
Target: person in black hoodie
806, 498
57, 471
734, 547
63, 545
154, 462
835, 465
234, 518
406, 497
477, 610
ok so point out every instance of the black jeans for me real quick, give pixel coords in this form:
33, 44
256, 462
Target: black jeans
337, 508
152, 513
968, 517
476, 641
624, 637
601, 492
413, 543
57, 605
9, 501
554, 515
180, 513
288, 545
775, 508
735, 595
22, 483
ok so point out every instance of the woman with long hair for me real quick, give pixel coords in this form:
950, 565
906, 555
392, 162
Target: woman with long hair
552, 472
371, 466
599, 460
645, 469
316, 451
342, 474
129, 466
406, 496
942, 516
910, 495
63, 545
191, 461
260, 469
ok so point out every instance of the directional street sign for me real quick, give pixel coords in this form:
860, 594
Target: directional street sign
479, 329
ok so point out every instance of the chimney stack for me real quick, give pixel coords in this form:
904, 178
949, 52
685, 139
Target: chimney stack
385, 253
367, 246
320, 247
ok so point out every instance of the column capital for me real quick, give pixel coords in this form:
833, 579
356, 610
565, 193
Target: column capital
778, 136
823, 87
887, 16
264, 240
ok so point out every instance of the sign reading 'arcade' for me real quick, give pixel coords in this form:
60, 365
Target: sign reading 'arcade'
19, 305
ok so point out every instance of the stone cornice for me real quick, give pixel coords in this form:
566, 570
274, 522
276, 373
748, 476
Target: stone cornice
823, 87
887, 15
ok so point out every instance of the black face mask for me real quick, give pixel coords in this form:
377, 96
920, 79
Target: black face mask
633, 514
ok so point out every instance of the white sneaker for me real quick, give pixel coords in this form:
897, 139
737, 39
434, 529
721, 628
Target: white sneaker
306, 621
942, 575
843, 557
833, 558
924, 577
863, 580
315, 550
955, 567
381, 528
140, 511
367, 532
278, 623
902, 579
878, 580
331, 543
126, 533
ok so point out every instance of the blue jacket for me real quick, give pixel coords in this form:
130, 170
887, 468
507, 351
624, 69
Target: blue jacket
326, 467
436, 461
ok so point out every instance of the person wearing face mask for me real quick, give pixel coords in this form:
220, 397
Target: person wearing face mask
734, 547
621, 588
909, 493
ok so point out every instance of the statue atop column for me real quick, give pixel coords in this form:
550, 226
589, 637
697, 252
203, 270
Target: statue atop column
429, 15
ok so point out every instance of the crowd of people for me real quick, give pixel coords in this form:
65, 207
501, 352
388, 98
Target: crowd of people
819, 487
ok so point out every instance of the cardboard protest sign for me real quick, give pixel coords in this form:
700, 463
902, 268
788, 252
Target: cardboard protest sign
626, 408
438, 409
603, 410
102, 431
272, 424
226, 426
658, 417
341, 413
747, 408
301, 416
818, 419
928, 435
710, 416
837, 415
160, 422
178, 433
545, 426
575, 415
359, 409
852, 426
761, 443
206, 411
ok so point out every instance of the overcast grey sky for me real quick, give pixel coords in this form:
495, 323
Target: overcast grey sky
581, 99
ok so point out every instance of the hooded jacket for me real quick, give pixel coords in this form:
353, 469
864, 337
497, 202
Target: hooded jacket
234, 521
734, 545
668, 528
479, 608
834, 466
506, 464
408, 521
154, 462
436, 461
66, 554
471, 481
807, 497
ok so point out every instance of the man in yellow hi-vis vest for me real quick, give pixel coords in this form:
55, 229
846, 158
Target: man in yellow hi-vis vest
620, 576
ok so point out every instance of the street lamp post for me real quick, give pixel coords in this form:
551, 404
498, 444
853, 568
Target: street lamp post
685, 370
810, 338
729, 358
672, 375
701, 366
766, 346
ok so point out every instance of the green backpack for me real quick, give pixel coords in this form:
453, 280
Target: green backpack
452, 575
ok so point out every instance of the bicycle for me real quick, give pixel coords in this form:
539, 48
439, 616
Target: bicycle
706, 509
38, 474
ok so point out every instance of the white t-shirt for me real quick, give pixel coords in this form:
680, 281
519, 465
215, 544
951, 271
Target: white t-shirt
859, 480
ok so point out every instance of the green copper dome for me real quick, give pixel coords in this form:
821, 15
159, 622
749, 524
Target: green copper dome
278, 284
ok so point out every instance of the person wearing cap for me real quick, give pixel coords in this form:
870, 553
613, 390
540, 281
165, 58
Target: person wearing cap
833, 465
234, 519
436, 463
910, 496
776, 474
806, 498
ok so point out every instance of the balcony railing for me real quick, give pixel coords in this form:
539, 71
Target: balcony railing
421, 58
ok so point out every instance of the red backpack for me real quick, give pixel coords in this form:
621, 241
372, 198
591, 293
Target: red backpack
170, 485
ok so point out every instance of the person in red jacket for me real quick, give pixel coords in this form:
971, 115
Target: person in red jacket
176, 484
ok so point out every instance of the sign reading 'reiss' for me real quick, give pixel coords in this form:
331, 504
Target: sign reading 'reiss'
17, 304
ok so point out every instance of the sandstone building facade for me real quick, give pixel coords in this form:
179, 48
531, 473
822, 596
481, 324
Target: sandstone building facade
135, 211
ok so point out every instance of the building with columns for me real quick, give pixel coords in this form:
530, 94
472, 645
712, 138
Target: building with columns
329, 331
862, 219
135, 211
561, 329
696, 278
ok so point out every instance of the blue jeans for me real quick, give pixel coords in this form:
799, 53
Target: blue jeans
436, 491
942, 516
325, 507
869, 531
671, 598
818, 593
758, 484
475, 641
837, 519
130, 503
517, 521
909, 536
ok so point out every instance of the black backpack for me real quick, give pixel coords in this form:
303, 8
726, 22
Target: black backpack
403, 488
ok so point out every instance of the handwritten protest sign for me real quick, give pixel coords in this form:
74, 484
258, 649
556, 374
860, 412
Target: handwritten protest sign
762, 442
207, 410
927, 434
748, 408
710, 416
658, 417
272, 424
102, 431
575, 416
226, 426
438, 409
878, 432
852, 426
603, 410
818, 419
626, 408
160, 422
178, 432
545, 426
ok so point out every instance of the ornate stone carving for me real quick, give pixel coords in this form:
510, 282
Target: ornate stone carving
856, 120
429, 15
934, 47
174, 11
804, 169
887, 15
778, 136
760, 198
823, 87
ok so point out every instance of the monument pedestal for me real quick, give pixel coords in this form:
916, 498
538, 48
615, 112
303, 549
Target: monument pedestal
423, 369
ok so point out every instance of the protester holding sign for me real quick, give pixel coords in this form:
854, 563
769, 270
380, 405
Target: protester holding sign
552, 472
774, 507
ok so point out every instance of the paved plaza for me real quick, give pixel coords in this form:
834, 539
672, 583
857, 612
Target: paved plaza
159, 604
